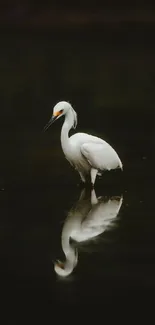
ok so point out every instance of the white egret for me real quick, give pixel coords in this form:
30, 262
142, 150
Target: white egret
89, 218
88, 154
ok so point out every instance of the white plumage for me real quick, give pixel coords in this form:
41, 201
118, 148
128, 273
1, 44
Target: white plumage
88, 154
90, 217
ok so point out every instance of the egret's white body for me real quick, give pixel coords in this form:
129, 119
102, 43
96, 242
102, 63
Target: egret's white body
89, 218
88, 154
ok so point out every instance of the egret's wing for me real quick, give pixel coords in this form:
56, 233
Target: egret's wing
99, 219
101, 155
103, 213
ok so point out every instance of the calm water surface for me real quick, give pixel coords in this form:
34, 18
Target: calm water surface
119, 262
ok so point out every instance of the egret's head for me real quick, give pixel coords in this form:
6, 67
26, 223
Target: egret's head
59, 110
66, 268
61, 269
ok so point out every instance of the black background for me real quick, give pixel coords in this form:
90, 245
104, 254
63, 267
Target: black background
101, 59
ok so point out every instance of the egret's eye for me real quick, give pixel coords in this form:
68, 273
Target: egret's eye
58, 113
60, 264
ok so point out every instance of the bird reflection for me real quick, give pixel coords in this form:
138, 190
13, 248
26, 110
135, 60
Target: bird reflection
89, 218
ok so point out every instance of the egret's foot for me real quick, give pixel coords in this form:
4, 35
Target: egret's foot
92, 186
88, 185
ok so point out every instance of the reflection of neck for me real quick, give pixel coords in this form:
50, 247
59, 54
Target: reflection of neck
70, 254
67, 125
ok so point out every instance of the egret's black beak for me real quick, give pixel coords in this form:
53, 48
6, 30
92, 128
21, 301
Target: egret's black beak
52, 119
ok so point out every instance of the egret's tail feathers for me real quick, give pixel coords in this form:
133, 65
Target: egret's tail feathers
120, 165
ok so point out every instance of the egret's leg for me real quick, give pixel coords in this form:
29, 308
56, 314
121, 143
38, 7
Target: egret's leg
94, 199
82, 195
82, 177
93, 174
76, 257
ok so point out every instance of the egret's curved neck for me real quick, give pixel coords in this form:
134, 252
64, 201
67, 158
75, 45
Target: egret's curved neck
67, 248
70, 253
67, 125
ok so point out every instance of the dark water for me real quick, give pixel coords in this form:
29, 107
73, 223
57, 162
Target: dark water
109, 79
